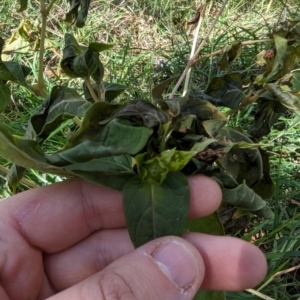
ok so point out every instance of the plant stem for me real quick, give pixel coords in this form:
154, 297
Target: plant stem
202, 44
45, 13
188, 75
77, 121
220, 51
101, 91
50, 6
91, 90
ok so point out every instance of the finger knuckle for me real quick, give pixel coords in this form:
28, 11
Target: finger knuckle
115, 287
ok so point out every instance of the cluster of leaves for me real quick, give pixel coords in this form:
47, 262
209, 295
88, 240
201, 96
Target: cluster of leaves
146, 149
76, 15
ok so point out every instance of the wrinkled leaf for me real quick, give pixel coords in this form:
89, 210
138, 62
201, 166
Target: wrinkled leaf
155, 170
245, 198
153, 211
242, 196
16, 172
158, 90
62, 104
278, 65
202, 109
71, 47
292, 58
243, 164
213, 127
230, 53
97, 113
265, 188
13, 177
112, 90
115, 138
228, 89
4, 96
109, 171
287, 99
142, 112
81, 61
201, 146
23, 5
172, 106
83, 65
25, 153
13, 71
267, 114
296, 80
78, 12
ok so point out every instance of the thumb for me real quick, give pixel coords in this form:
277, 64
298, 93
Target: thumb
168, 268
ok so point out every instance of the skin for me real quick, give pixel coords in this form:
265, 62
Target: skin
69, 241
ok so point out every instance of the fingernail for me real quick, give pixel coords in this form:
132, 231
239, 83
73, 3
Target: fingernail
177, 262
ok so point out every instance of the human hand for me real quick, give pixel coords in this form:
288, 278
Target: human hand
68, 241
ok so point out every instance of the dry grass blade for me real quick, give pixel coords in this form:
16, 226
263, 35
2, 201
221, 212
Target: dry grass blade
202, 44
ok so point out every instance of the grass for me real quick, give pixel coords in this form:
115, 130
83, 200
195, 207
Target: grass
152, 42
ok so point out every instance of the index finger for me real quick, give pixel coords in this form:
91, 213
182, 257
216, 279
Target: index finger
56, 217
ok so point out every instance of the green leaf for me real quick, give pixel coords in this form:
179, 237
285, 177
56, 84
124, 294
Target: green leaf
99, 112
265, 188
116, 138
13, 71
86, 64
159, 89
81, 61
292, 58
71, 47
201, 146
98, 74
202, 109
4, 96
296, 80
245, 198
267, 114
228, 89
209, 224
230, 53
242, 196
82, 14
25, 153
13, 177
153, 211
113, 90
210, 295
142, 112
243, 164
62, 104
78, 12
99, 47
23, 5
286, 98
213, 127
111, 171
2, 42
278, 65
154, 170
